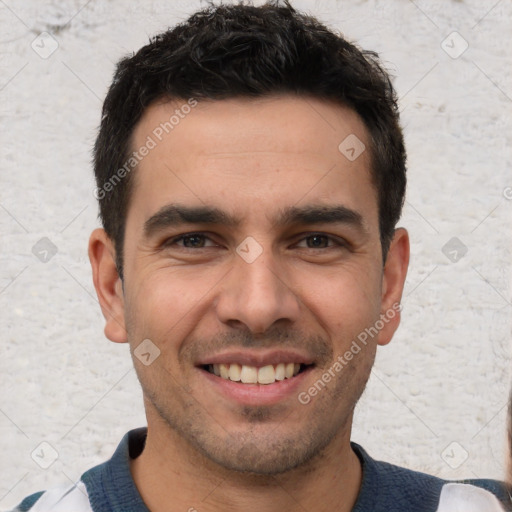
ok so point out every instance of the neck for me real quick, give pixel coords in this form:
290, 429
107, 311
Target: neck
172, 476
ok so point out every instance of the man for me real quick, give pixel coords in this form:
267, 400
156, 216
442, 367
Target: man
250, 171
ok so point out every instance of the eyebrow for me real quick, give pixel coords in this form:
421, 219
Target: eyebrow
321, 214
175, 215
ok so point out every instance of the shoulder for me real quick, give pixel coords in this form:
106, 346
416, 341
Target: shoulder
106, 487
463, 497
27, 503
389, 487
59, 499
494, 486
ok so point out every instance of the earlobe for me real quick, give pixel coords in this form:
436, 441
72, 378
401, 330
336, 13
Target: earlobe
108, 285
395, 272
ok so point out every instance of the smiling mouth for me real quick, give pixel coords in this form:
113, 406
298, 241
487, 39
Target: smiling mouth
246, 374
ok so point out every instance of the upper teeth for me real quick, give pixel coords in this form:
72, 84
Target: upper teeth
254, 375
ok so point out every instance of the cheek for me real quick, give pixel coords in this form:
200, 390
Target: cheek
344, 301
164, 305
151, 307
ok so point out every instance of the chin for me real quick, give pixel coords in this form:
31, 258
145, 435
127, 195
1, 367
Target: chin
262, 453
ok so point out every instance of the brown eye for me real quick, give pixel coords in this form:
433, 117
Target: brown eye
317, 241
320, 241
193, 241
190, 241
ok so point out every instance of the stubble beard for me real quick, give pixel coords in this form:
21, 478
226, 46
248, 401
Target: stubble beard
259, 446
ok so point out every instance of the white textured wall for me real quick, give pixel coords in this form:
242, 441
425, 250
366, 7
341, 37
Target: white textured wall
443, 379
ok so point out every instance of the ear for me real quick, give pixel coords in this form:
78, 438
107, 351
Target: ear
107, 282
393, 279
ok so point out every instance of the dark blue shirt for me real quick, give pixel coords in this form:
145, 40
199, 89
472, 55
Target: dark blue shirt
384, 488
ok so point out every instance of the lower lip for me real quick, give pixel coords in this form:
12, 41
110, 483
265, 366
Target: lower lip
258, 394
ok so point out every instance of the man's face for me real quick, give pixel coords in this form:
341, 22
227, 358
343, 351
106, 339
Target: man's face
252, 241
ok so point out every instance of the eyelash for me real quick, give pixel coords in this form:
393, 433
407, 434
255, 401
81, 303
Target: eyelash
335, 241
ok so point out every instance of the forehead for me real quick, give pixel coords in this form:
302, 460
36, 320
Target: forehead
304, 124
266, 151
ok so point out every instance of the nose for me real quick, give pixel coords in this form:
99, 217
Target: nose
257, 295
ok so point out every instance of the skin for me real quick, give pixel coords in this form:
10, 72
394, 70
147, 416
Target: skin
197, 297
